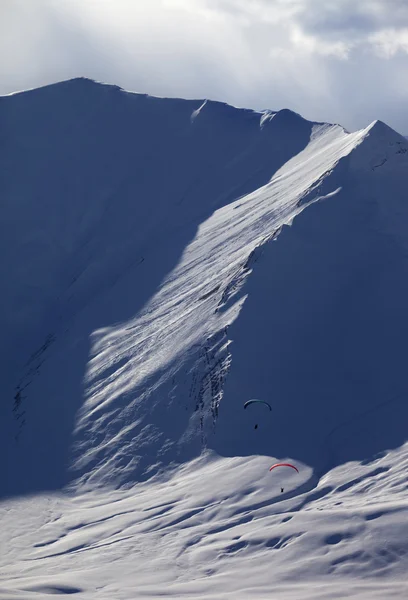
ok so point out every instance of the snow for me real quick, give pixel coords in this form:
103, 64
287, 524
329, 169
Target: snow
166, 260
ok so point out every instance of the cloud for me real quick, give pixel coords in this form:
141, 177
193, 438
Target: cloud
389, 42
336, 60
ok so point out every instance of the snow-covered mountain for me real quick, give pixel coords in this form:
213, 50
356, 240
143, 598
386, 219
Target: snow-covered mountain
163, 262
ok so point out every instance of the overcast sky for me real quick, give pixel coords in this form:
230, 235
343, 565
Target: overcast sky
343, 61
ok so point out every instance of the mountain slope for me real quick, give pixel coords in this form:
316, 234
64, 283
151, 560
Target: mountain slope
108, 178
330, 329
154, 285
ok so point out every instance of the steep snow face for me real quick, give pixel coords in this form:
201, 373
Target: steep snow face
102, 191
168, 260
325, 325
110, 171
179, 341
169, 205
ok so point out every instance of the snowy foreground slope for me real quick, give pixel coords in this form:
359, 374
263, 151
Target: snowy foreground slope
151, 285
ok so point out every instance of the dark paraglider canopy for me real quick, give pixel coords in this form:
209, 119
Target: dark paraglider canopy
254, 401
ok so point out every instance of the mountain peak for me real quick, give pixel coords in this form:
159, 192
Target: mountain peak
380, 146
382, 130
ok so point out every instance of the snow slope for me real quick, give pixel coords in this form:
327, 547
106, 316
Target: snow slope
165, 260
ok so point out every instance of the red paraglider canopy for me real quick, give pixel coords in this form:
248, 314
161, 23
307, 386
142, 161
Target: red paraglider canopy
283, 465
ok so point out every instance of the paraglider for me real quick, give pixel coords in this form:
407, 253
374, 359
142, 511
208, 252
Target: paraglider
248, 402
255, 401
284, 465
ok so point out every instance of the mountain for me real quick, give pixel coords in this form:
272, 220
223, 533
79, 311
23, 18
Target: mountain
163, 262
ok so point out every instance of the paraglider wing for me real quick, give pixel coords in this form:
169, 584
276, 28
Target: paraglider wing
283, 465
257, 401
